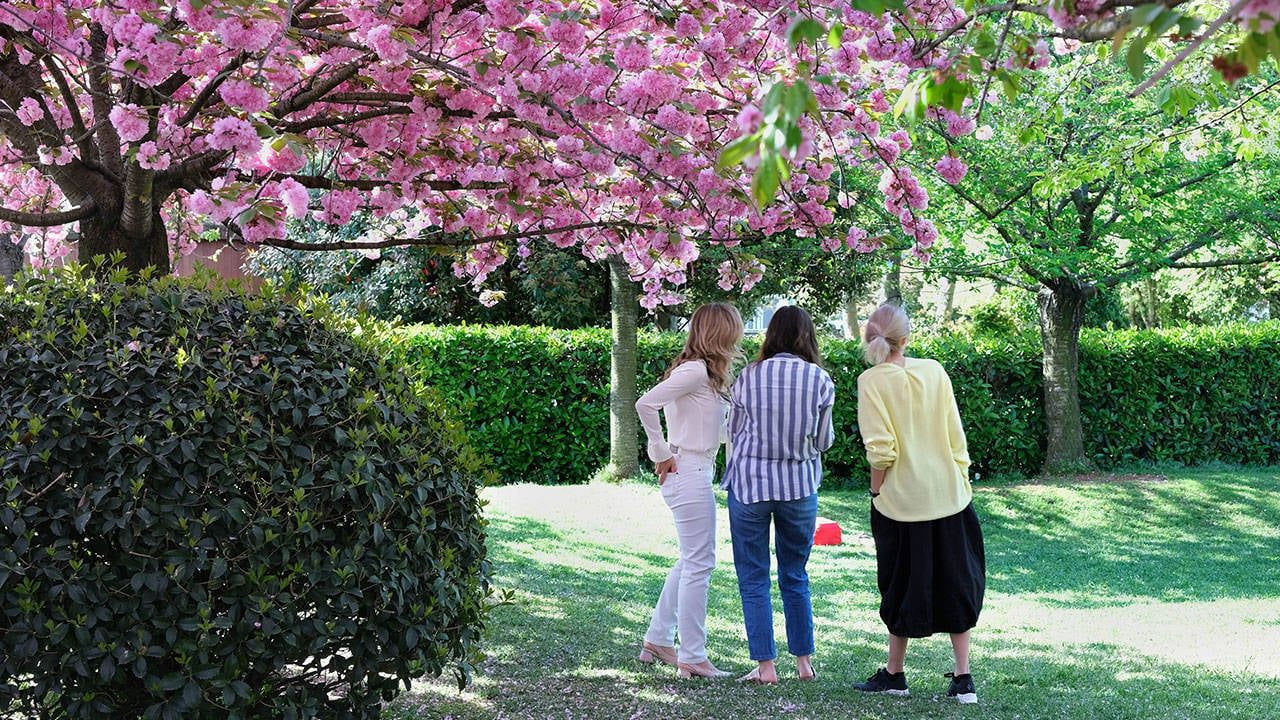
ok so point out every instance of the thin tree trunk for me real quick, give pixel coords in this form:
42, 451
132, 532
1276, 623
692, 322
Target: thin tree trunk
893, 280
949, 307
851, 326
1061, 317
1150, 305
624, 447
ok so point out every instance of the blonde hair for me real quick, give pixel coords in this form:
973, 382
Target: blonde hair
886, 331
715, 334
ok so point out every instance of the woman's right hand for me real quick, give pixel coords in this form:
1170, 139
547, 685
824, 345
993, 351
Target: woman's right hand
664, 467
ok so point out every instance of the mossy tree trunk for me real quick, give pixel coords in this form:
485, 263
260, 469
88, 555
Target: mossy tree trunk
624, 449
893, 280
1061, 317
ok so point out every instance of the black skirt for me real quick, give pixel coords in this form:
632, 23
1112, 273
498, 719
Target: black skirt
931, 574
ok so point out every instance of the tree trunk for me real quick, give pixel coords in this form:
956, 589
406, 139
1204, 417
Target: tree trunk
1061, 317
105, 237
949, 306
1150, 305
852, 330
893, 280
624, 449
10, 257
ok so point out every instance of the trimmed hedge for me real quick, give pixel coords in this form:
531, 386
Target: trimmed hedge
219, 505
536, 400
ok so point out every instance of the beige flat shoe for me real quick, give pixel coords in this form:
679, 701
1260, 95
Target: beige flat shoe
650, 654
705, 670
754, 678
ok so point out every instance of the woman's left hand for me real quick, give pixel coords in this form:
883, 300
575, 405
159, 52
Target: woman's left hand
664, 467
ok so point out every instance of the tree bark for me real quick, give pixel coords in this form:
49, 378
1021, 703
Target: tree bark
10, 257
851, 326
949, 307
1061, 317
624, 448
1150, 305
893, 280
101, 236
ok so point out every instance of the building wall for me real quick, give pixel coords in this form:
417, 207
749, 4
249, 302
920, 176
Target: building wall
222, 258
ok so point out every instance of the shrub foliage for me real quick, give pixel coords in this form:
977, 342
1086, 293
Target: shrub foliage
221, 506
536, 400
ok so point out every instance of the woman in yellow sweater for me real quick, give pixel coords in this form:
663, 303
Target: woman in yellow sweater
930, 562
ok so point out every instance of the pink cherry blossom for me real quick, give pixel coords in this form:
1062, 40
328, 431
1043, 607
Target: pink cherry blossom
130, 121
952, 169
244, 95
151, 158
233, 133
29, 112
633, 57
388, 48
1261, 15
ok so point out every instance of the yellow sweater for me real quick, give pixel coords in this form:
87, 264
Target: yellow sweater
911, 428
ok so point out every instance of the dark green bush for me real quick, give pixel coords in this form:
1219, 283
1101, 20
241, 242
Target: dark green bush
221, 506
536, 400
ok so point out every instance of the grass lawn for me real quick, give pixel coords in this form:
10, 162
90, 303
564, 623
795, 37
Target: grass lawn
1140, 598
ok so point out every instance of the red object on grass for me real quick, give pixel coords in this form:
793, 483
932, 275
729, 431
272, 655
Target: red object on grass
828, 532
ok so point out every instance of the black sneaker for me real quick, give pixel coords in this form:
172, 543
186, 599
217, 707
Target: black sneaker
962, 689
885, 682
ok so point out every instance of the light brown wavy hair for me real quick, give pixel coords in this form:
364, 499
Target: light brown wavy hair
715, 337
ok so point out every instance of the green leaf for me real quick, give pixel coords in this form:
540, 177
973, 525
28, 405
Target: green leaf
1136, 57
796, 102
1164, 21
1146, 14
764, 184
804, 29
735, 152
870, 7
836, 35
1011, 85
985, 44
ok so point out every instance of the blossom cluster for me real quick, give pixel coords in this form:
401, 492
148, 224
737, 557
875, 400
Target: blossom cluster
504, 123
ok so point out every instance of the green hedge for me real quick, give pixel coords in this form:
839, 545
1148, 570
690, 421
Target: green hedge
537, 399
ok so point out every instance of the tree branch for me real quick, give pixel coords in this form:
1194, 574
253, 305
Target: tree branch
1192, 181
319, 182
32, 219
1227, 262
100, 84
449, 239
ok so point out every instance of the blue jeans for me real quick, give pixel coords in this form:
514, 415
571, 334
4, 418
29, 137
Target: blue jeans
794, 522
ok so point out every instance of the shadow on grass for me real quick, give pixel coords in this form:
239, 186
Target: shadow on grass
566, 648
1208, 537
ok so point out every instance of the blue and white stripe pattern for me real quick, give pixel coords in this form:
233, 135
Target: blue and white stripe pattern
779, 426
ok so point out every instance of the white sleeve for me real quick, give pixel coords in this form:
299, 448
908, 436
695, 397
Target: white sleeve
686, 378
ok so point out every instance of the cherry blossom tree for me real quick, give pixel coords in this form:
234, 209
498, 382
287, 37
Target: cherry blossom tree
128, 126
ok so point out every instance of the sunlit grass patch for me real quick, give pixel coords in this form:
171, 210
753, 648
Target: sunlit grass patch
1133, 600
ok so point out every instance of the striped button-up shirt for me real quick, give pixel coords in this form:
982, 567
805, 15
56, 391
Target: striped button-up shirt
779, 426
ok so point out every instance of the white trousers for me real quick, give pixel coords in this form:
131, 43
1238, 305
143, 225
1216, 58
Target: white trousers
682, 606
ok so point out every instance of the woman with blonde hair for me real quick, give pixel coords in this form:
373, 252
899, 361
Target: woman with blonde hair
693, 394
930, 559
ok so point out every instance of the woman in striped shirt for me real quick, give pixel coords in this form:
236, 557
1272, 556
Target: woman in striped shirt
693, 396
779, 426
